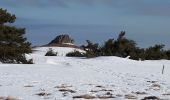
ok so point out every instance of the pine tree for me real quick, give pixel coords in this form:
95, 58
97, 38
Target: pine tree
13, 44
92, 49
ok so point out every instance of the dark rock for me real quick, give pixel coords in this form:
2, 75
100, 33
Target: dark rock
62, 39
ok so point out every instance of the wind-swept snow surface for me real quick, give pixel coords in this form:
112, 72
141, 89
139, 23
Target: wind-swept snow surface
67, 78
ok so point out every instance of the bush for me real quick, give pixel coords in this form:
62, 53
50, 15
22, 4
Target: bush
155, 53
75, 54
24, 61
92, 49
50, 52
168, 54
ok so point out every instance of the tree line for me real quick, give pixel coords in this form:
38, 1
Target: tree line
123, 47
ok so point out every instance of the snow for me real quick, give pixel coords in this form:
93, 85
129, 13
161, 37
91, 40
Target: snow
94, 76
68, 43
62, 51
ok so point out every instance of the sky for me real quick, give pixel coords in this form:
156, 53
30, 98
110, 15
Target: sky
145, 21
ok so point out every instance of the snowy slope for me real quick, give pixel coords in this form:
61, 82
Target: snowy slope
62, 51
62, 78
39, 52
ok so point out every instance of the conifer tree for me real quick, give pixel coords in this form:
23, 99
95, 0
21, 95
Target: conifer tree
13, 44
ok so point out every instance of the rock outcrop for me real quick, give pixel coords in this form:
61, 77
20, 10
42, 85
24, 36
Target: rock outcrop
63, 41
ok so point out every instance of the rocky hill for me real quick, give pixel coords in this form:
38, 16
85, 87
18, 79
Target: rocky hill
62, 41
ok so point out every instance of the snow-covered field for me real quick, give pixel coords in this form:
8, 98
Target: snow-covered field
67, 78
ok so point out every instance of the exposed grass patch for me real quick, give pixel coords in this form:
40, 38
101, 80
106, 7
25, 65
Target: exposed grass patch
151, 98
140, 93
129, 96
155, 86
67, 90
106, 97
166, 94
43, 94
63, 86
152, 81
86, 96
8, 98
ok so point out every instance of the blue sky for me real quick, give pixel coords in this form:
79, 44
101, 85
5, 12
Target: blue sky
145, 21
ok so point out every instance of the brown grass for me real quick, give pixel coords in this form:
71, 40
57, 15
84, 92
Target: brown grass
151, 98
140, 93
155, 87
63, 86
152, 81
166, 94
105, 90
67, 90
119, 95
43, 94
94, 91
2, 98
105, 97
86, 96
129, 96
8, 98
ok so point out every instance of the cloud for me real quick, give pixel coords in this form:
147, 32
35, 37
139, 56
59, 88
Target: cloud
148, 7
33, 3
138, 7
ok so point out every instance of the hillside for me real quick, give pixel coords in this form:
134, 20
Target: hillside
65, 78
